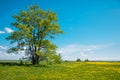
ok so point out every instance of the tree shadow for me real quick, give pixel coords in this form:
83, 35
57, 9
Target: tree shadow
11, 64
18, 64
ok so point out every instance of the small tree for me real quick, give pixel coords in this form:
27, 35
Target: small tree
78, 60
86, 60
21, 61
34, 29
54, 58
57, 58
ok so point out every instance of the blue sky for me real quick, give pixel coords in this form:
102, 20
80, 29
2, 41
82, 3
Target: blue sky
92, 27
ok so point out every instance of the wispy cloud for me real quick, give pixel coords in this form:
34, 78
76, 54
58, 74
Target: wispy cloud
2, 32
3, 47
4, 55
69, 52
8, 30
72, 52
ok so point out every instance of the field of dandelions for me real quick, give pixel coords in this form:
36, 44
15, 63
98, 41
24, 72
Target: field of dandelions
63, 71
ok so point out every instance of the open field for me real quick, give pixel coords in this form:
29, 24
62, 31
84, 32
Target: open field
63, 71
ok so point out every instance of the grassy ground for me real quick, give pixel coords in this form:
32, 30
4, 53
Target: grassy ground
63, 71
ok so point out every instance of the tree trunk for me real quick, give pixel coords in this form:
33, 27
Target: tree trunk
35, 59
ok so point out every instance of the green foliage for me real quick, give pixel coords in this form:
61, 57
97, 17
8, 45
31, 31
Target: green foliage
86, 60
66, 61
34, 30
14, 50
54, 58
63, 71
78, 60
21, 61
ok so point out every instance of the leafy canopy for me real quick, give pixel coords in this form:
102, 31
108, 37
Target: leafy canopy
34, 29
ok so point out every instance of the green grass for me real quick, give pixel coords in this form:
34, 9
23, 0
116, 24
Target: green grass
63, 71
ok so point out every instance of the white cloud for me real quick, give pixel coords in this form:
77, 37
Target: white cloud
3, 47
10, 56
76, 48
72, 52
69, 52
83, 54
8, 30
2, 32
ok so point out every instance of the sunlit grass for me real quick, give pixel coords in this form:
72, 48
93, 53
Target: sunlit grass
63, 71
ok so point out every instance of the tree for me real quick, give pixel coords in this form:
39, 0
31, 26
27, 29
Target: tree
86, 60
78, 60
34, 30
54, 58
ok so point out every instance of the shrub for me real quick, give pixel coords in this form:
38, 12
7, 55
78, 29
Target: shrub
66, 61
86, 60
54, 59
21, 61
78, 60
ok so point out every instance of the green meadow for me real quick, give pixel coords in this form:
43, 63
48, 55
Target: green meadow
63, 71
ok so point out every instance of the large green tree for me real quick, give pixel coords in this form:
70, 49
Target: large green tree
34, 30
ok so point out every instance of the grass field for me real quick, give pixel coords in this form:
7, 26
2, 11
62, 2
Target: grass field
63, 71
